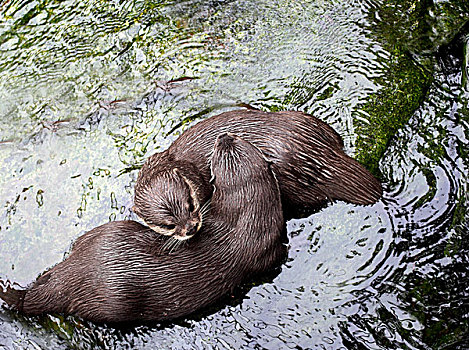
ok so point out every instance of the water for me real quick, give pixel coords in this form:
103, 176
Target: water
90, 89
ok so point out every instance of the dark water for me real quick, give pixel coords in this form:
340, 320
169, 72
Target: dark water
86, 96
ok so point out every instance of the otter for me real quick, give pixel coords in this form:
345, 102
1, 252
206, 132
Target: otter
119, 272
306, 154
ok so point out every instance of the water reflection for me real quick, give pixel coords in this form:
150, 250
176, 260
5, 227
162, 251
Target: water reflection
87, 95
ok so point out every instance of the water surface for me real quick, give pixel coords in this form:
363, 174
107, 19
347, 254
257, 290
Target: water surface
90, 89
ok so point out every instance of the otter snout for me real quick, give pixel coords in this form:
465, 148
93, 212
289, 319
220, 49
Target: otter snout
189, 230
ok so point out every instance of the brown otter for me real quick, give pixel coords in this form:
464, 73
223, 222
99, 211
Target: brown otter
118, 272
307, 158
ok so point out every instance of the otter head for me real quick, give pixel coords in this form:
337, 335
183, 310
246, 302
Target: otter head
169, 204
235, 161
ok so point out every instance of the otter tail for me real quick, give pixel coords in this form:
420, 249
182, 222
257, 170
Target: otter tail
352, 183
13, 297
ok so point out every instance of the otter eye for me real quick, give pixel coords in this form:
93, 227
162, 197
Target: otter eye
168, 227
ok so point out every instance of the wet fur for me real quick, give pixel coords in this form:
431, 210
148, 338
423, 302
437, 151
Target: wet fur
307, 158
120, 271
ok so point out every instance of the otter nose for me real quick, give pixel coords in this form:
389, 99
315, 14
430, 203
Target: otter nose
190, 229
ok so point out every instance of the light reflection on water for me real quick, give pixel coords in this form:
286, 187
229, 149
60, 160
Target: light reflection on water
356, 276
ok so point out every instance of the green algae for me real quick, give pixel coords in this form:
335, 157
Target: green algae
403, 85
410, 35
388, 110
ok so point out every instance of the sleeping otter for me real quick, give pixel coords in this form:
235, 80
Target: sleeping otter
118, 272
307, 158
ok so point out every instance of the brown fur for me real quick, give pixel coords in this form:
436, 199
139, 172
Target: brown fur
120, 272
307, 158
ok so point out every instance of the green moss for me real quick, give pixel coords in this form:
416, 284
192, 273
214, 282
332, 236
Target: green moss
418, 28
404, 89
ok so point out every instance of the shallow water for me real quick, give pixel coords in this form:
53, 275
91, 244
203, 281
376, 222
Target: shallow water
88, 92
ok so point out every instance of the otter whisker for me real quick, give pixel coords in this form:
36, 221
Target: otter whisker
171, 245
168, 244
205, 209
205, 205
